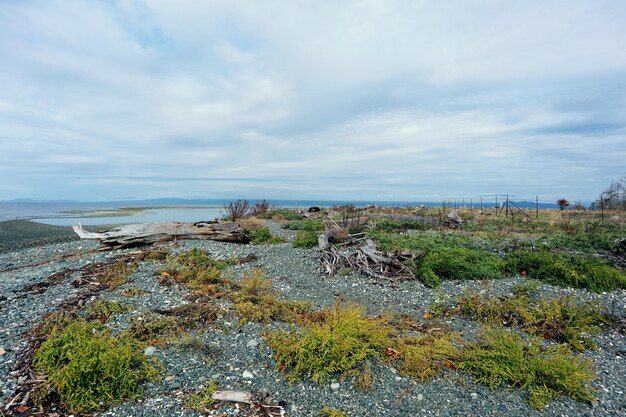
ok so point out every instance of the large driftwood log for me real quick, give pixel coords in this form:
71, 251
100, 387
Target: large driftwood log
147, 233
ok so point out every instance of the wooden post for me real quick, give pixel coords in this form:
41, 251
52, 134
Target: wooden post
481, 203
497, 205
537, 207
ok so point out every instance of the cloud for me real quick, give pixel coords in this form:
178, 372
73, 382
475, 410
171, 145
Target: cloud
349, 100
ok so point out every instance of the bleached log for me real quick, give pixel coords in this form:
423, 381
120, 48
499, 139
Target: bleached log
147, 233
233, 396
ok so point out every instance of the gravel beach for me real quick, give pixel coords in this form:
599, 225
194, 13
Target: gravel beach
239, 357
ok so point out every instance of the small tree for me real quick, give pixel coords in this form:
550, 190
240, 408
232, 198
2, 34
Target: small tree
260, 208
236, 210
562, 203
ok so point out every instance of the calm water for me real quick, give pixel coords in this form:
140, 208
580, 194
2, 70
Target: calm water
173, 214
62, 214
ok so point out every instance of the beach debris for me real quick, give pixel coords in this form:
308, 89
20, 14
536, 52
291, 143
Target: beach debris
139, 234
383, 267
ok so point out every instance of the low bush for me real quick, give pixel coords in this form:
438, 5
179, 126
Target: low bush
388, 225
263, 236
586, 272
117, 275
505, 357
284, 214
257, 301
90, 368
457, 264
562, 320
331, 412
305, 239
339, 342
310, 225
425, 356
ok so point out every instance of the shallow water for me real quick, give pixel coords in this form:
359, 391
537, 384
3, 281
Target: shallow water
169, 214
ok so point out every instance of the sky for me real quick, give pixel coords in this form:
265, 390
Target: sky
334, 100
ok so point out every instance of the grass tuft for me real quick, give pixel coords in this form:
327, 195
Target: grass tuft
425, 356
263, 236
305, 239
326, 411
102, 310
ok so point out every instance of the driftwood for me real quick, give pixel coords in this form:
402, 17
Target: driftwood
382, 267
147, 233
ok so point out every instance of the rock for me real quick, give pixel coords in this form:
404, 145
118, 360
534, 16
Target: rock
474, 395
2, 351
149, 351
170, 378
252, 343
335, 386
175, 385
420, 397
483, 391
248, 375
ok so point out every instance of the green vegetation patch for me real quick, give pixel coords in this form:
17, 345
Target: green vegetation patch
305, 239
505, 357
153, 329
117, 275
284, 214
563, 270
562, 320
339, 342
311, 225
389, 225
326, 411
457, 264
103, 310
90, 368
425, 356
263, 236
202, 399
257, 301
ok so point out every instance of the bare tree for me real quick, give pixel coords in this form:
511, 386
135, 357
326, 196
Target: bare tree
236, 210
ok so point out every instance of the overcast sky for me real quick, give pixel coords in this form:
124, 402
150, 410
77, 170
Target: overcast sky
358, 100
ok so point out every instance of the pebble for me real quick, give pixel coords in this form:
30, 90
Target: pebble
474, 395
2, 351
252, 343
149, 351
335, 386
420, 397
248, 375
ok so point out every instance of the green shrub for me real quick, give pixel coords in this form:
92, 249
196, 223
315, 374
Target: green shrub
457, 264
340, 342
426, 356
586, 272
562, 320
305, 239
310, 225
117, 275
90, 368
152, 329
286, 214
257, 301
388, 225
503, 357
263, 236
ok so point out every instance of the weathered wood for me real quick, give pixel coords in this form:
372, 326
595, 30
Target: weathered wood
233, 396
147, 233
383, 267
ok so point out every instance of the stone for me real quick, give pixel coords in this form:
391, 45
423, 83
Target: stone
252, 343
335, 386
2, 351
474, 395
248, 375
175, 385
420, 397
149, 351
